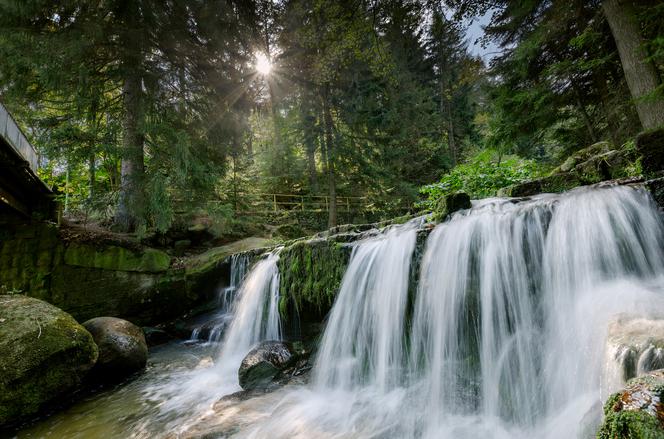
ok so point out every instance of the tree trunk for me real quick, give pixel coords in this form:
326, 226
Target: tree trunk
311, 165
308, 124
641, 74
584, 114
130, 212
609, 112
446, 109
450, 137
92, 171
331, 151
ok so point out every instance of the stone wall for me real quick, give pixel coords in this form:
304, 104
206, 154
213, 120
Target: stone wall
89, 279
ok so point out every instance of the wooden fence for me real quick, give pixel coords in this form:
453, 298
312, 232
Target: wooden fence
262, 204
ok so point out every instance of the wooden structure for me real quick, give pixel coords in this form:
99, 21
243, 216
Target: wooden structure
21, 191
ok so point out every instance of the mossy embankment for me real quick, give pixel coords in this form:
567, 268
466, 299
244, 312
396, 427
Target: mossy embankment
89, 278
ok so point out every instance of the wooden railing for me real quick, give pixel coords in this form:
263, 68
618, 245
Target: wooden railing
264, 203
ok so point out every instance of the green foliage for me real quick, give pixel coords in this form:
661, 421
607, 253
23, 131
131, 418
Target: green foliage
371, 100
481, 176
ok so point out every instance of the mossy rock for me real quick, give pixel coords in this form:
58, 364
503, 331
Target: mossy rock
607, 166
263, 363
44, 353
450, 203
122, 347
636, 412
310, 277
599, 162
650, 145
550, 184
583, 155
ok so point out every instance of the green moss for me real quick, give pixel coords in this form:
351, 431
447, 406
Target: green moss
116, 258
610, 404
310, 276
630, 425
101, 280
211, 258
559, 183
44, 352
636, 412
449, 204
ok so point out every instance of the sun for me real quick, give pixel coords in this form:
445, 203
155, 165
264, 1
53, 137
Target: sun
263, 65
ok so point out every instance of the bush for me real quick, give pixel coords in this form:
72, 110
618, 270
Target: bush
481, 176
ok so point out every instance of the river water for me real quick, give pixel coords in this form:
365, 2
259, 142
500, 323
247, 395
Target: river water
501, 335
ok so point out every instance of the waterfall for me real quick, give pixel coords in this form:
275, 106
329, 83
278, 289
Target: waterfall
254, 317
225, 299
504, 337
363, 342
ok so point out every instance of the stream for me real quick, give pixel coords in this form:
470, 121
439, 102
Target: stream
503, 335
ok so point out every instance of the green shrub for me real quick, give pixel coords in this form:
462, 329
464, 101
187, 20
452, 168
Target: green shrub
481, 176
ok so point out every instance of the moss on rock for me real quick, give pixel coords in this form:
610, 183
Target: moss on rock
310, 276
449, 204
599, 162
636, 412
583, 155
550, 184
91, 279
44, 353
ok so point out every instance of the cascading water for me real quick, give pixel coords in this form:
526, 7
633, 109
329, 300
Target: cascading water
501, 335
214, 328
364, 342
505, 335
255, 317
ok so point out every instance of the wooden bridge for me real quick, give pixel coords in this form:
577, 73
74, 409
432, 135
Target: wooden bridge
21, 191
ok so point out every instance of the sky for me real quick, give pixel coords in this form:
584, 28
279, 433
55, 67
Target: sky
475, 31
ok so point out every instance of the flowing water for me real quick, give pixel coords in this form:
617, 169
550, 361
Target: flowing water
182, 379
213, 327
505, 335
497, 331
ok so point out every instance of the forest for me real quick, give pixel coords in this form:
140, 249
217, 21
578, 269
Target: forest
332, 219
146, 113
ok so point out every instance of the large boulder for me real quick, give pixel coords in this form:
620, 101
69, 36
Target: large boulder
44, 353
264, 363
122, 347
635, 346
637, 411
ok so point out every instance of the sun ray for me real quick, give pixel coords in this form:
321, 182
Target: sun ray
263, 64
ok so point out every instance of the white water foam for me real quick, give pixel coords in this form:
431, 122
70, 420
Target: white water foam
505, 335
255, 318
